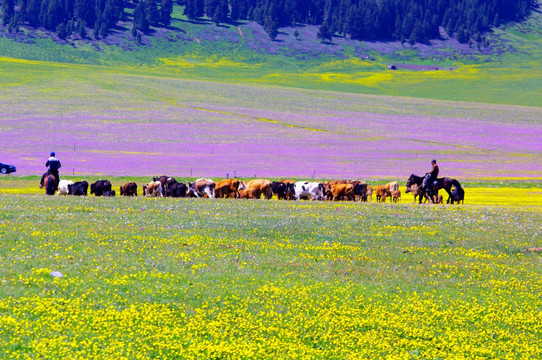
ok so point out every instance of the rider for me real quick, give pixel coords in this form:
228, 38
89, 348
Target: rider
53, 164
431, 176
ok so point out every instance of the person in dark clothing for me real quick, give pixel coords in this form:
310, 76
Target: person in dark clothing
431, 176
53, 164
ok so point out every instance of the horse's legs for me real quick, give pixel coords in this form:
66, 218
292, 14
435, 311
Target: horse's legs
449, 196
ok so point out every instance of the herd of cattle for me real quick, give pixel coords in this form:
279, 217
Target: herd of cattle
167, 186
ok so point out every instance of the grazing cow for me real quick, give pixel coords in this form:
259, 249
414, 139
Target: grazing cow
262, 187
381, 193
458, 195
129, 189
283, 190
396, 195
342, 192
99, 187
416, 191
391, 186
313, 190
63, 187
202, 187
290, 189
227, 188
177, 190
109, 193
79, 188
370, 193
154, 189
165, 181
248, 194
360, 190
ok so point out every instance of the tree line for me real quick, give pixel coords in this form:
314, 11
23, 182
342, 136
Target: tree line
405, 20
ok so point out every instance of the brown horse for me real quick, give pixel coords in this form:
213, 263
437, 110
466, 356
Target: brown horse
50, 184
441, 183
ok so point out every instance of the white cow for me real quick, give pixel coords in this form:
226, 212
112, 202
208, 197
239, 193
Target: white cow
154, 189
63, 188
314, 190
202, 187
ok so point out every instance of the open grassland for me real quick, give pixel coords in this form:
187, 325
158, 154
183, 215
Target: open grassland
104, 121
194, 278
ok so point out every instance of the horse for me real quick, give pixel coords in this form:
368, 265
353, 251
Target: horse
50, 184
441, 183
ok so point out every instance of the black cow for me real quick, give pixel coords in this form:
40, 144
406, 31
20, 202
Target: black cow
165, 181
282, 189
79, 188
100, 187
176, 189
360, 189
109, 193
458, 195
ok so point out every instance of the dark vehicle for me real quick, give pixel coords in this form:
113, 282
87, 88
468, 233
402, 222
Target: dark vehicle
6, 169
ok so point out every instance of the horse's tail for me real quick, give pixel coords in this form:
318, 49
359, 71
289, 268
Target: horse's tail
456, 184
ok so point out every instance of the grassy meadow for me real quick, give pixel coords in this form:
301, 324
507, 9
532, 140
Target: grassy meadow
195, 278
141, 278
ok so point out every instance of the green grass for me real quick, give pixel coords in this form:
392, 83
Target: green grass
513, 77
172, 278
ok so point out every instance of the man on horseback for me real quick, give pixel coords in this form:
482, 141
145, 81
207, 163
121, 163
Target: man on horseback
53, 164
431, 176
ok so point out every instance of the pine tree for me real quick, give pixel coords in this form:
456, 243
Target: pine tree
33, 12
151, 11
324, 32
140, 18
193, 9
54, 14
271, 22
166, 8
210, 7
8, 10
82, 28
61, 31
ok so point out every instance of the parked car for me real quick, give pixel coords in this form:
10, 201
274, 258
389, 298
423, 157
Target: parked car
6, 169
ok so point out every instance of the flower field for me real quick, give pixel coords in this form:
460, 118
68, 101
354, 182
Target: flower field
134, 125
195, 278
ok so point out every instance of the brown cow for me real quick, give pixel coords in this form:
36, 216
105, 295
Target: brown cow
342, 192
396, 195
165, 181
391, 186
381, 193
416, 191
129, 189
262, 187
370, 193
248, 194
227, 188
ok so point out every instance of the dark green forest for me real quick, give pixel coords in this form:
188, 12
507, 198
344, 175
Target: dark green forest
414, 21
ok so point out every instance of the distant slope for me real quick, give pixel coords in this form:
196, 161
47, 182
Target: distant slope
507, 71
105, 121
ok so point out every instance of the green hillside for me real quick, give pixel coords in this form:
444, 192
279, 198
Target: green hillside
507, 71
